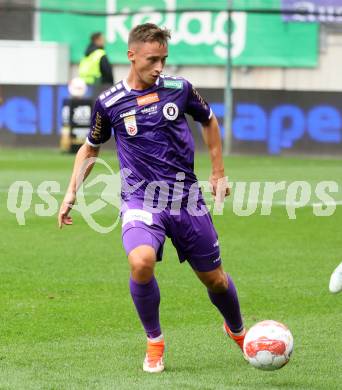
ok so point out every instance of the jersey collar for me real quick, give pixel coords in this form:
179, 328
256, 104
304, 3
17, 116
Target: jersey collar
128, 88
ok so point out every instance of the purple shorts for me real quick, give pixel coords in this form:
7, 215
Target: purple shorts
194, 237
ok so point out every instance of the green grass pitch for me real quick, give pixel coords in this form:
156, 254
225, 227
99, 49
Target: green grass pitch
66, 316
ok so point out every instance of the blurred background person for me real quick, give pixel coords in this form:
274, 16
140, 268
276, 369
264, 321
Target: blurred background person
94, 66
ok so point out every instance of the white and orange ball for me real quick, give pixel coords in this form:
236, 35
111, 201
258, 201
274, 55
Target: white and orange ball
268, 345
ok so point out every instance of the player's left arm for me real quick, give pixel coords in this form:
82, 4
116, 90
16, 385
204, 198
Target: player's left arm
212, 138
199, 109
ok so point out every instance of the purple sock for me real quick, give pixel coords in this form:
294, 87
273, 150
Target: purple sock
146, 299
228, 305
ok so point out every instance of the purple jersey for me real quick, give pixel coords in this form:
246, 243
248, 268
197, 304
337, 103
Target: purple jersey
153, 138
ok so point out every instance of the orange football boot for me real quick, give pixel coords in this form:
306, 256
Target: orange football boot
154, 356
239, 338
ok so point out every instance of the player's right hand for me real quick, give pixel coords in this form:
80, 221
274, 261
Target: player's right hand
63, 215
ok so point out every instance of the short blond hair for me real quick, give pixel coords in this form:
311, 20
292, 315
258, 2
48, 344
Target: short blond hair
149, 32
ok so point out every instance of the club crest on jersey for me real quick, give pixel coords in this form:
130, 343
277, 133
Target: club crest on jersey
170, 111
131, 125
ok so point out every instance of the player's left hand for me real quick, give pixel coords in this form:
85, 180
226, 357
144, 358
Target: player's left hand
220, 186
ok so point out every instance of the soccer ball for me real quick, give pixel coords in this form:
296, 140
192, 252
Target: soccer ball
268, 345
335, 285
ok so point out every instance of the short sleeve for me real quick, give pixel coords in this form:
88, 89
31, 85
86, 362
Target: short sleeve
100, 126
196, 106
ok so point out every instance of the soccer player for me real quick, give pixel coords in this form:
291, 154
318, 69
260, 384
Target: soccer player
146, 112
335, 285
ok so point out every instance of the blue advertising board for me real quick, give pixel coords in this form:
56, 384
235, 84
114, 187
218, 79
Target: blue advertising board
324, 11
264, 121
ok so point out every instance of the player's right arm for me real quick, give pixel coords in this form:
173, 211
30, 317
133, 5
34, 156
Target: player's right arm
84, 162
100, 132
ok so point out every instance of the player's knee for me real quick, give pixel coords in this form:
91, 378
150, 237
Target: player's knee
218, 283
142, 265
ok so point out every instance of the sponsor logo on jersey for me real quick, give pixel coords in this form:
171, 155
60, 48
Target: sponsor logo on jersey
150, 110
96, 131
148, 99
114, 99
137, 215
199, 98
174, 84
131, 125
128, 113
170, 111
